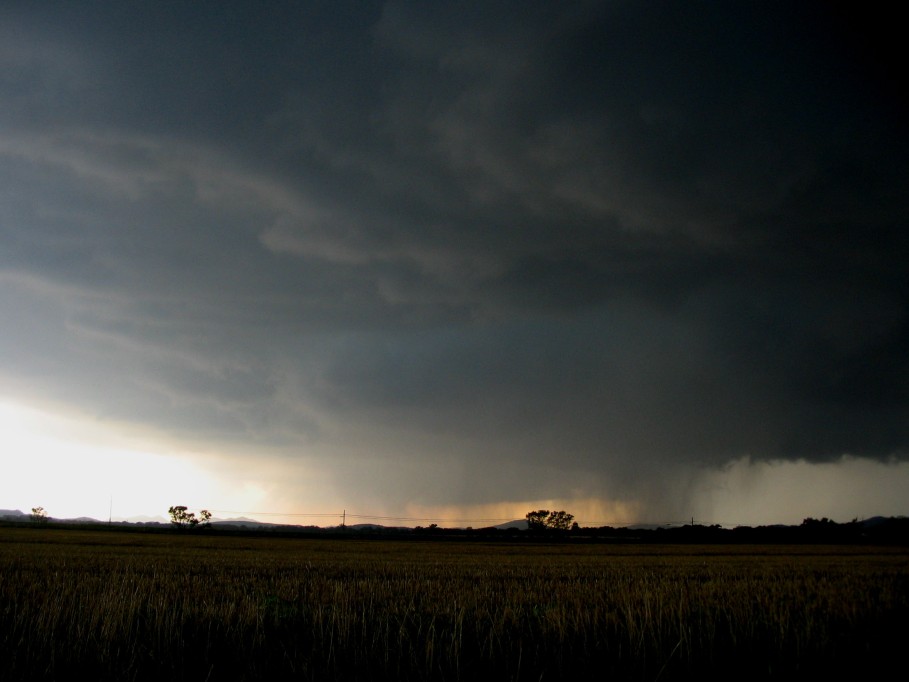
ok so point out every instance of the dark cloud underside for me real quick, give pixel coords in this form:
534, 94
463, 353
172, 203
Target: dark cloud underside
630, 237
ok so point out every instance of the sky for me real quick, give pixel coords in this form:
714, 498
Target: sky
451, 262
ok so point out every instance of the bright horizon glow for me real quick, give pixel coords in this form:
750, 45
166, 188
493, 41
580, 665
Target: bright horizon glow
746, 492
586, 511
74, 469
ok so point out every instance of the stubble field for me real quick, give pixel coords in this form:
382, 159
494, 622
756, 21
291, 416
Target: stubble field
143, 606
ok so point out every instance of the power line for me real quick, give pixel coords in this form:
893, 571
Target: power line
343, 514
260, 513
428, 518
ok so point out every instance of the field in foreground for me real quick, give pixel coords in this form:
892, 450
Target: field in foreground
131, 606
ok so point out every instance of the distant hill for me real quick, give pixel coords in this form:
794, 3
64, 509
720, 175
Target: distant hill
520, 524
144, 519
876, 530
242, 522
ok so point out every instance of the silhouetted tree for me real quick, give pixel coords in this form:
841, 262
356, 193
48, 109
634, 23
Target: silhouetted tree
559, 520
543, 519
39, 515
536, 520
181, 518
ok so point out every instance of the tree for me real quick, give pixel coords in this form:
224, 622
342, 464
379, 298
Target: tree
536, 520
39, 515
543, 519
181, 518
559, 520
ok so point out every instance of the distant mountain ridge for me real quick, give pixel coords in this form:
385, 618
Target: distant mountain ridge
875, 529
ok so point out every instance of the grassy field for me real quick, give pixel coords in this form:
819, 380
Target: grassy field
136, 606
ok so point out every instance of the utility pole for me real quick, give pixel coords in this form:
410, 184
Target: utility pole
344, 519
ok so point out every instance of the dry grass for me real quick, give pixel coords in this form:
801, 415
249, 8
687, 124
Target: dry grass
132, 606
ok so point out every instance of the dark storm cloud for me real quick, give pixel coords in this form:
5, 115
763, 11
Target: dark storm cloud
626, 236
